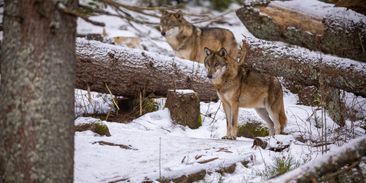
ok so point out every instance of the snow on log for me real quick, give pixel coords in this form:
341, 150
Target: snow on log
355, 5
331, 162
305, 66
311, 24
126, 71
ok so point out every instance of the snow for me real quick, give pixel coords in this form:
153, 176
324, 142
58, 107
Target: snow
177, 155
97, 163
318, 9
93, 103
179, 144
184, 91
317, 162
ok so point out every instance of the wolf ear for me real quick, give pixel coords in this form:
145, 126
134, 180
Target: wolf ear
179, 14
222, 52
163, 11
207, 51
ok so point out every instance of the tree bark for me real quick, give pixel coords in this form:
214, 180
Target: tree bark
355, 5
304, 66
37, 92
184, 107
332, 34
331, 162
127, 72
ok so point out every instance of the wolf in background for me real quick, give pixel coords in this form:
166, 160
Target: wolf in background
188, 40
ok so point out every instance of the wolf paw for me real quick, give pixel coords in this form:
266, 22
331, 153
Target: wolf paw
229, 137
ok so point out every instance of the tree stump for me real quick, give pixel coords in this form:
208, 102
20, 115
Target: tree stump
184, 107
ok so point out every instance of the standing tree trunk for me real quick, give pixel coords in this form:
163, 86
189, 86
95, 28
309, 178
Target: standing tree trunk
37, 92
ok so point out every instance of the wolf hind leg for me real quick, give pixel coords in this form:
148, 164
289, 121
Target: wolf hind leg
262, 112
275, 118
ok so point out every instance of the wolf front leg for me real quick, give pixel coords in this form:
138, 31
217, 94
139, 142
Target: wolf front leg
228, 119
234, 119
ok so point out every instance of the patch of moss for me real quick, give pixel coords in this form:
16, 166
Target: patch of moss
97, 127
221, 5
252, 129
199, 120
101, 129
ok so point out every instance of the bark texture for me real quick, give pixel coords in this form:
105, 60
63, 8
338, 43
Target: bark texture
329, 163
127, 72
333, 103
37, 92
355, 5
332, 34
304, 66
184, 108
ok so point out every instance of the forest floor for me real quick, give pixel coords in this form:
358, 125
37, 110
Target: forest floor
159, 148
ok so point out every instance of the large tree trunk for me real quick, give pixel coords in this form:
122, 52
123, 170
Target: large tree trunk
305, 66
338, 32
37, 92
126, 72
316, 170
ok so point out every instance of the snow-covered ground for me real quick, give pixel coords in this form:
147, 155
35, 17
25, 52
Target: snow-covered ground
180, 145
161, 148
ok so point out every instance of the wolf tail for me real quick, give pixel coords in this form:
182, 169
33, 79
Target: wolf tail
282, 118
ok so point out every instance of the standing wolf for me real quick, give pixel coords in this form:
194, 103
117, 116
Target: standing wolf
188, 40
238, 87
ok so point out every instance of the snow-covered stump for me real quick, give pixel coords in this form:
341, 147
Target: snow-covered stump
184, 107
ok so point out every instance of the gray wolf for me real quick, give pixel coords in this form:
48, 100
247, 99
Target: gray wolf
240, 87
188, 40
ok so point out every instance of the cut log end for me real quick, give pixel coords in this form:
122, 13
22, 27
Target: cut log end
184, 107
287, 18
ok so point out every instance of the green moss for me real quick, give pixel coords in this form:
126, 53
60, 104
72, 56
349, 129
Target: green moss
252, 129
221, 5
101, 129
199, 120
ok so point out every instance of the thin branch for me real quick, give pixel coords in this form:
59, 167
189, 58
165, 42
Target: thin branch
75, 13
216, 18
110, 92
133, 8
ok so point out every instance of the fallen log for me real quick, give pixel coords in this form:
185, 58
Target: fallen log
305, 66
127, 72
355, 5
322, 27
317, 170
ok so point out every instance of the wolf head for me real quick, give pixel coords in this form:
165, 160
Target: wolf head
215, 62
173, 23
